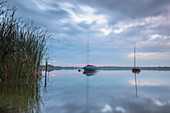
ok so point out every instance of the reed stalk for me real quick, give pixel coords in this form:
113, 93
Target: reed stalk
22, 45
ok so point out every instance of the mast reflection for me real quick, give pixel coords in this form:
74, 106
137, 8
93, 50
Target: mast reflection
136, 86
88, 74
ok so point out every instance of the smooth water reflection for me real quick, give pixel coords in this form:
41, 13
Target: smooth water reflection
21, 97
104, 92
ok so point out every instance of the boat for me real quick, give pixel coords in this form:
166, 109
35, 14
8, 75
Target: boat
79, 70
88, 67
135, 69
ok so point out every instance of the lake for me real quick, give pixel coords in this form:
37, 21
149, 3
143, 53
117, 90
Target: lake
70, 91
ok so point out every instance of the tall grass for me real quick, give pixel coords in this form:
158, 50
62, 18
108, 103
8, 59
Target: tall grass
22, 46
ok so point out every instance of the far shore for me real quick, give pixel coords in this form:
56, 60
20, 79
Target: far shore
51, 68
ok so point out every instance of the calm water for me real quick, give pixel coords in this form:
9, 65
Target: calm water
69, 91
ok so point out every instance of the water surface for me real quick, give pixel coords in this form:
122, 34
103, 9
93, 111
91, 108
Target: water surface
69, 91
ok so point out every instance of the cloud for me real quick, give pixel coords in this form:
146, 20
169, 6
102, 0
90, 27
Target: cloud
142, 55
42, 6
84, 13
106, 31
158, 103
120, 27
156, 21
117, 31
155, 36
113, 27
53, 61
106, 108
150, 55
132, 82
120, 109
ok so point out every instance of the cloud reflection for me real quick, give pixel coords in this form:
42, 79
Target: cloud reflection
106, 108
108, 92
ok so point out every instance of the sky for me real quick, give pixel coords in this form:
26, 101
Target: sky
112, 26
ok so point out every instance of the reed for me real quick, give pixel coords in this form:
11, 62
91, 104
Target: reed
22, 46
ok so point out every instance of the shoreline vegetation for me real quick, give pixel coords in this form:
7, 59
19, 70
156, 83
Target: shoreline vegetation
51, 68
22, 46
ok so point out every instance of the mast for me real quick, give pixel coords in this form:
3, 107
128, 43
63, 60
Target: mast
88, 50
134, 56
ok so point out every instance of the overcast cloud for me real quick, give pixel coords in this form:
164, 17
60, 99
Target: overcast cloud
113, 26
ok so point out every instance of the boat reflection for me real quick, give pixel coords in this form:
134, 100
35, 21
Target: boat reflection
88, 74
136, 86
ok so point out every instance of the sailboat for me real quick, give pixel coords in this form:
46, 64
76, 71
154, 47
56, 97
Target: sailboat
135, 69
89, 68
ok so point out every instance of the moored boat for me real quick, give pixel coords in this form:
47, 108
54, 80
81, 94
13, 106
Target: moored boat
89, 68
135, 69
